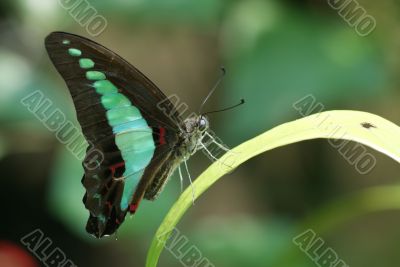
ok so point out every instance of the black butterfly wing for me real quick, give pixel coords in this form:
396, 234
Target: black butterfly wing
103, 191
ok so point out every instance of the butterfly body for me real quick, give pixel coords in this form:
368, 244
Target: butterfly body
138, 131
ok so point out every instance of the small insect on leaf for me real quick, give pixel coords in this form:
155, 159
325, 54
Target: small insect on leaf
368, 125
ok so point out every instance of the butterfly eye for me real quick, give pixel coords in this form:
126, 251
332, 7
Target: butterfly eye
202, 124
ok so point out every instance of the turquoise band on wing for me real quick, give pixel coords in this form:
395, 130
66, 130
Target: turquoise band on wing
133, 136
74, 52
104, 87
86, 63
95, 75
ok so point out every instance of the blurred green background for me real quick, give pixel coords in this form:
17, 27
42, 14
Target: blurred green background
275, 53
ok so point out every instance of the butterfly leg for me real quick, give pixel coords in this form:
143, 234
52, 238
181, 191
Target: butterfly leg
190, 179
213, 157
180, 177
208, 152
215, 142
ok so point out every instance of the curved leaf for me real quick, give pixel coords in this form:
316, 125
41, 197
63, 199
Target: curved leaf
362, 127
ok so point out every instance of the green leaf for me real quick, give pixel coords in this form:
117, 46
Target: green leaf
377, 133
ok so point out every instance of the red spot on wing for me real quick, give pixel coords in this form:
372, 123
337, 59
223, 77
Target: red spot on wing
116, 166
161, 139
133, 207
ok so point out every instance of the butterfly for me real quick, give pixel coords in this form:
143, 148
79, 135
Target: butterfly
138, 130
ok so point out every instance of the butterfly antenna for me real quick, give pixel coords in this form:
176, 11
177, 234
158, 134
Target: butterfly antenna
225, 109
223, 72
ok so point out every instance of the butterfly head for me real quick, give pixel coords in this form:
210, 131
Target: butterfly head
197, 125
194, 129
